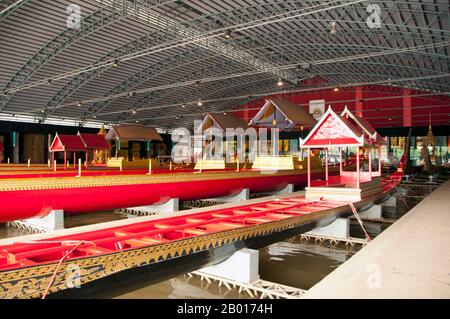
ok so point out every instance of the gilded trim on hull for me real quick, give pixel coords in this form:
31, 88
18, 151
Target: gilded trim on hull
31, 282
19, 184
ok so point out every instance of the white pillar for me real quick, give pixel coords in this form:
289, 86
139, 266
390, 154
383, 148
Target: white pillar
309, 167
242, 266
370, 162
379, 159
326, 164
79, 167
357, 168
340, 160
149, 166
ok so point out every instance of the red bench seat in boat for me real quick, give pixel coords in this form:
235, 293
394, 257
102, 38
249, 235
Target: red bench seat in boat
193, 231
259, 220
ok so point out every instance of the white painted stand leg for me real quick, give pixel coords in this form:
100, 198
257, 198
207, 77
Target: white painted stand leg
172, 205
287, 190
390, 202
53, 221
340, 228
375, 212
243, 195
242, 266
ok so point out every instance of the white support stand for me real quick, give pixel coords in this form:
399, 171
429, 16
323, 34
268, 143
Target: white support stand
243, 195
53, 221
172, 205
242, 266
340, 228
375, 212
287, 190
390, 202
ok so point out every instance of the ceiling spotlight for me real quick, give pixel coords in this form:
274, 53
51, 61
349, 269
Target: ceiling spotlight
137, 121
390, 119
43, 111
78, 103
336, 89
280, 82
224, 113
116, 63
133, 111
176, 117
49, 81
183, 105
5, 93
227, 34
95, 116
333, 28
199, 103
130, 94
197, 83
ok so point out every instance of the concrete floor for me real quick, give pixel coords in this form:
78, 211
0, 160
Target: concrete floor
411, 259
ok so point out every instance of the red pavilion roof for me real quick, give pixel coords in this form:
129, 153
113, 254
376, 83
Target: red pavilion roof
364, 125
333, 130
93, 141
70, 143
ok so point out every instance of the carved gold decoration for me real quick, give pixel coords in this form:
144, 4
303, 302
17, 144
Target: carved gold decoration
31, 282
19, 184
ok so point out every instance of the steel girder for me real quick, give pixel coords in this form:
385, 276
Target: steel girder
8, 7
240, 16
91, 23
152, 70
208, 70
207, 91
188, 32
80, 80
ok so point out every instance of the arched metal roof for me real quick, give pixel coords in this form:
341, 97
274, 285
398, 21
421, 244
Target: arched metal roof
153, 60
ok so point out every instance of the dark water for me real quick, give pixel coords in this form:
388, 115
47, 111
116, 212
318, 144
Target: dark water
293, 262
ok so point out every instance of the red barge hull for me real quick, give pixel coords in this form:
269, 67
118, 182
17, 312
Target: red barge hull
23, 198
33, 267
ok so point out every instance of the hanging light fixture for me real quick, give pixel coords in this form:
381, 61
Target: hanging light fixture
199, 103
227, 34
336, 89
116, 63
133, 111
280, 82
183, 105
78, 103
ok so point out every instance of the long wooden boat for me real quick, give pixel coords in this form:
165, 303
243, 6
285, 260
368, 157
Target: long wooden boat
29, 196
31, 269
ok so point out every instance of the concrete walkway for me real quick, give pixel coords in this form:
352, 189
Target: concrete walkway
411, 259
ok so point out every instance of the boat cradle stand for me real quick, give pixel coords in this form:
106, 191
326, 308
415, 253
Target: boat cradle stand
170, 206
241, 271
50, 222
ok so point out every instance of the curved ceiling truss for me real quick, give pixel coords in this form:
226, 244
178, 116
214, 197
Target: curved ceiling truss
190, 40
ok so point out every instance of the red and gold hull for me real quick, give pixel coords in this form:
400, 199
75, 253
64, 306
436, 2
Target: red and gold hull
26, 197
31, 268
